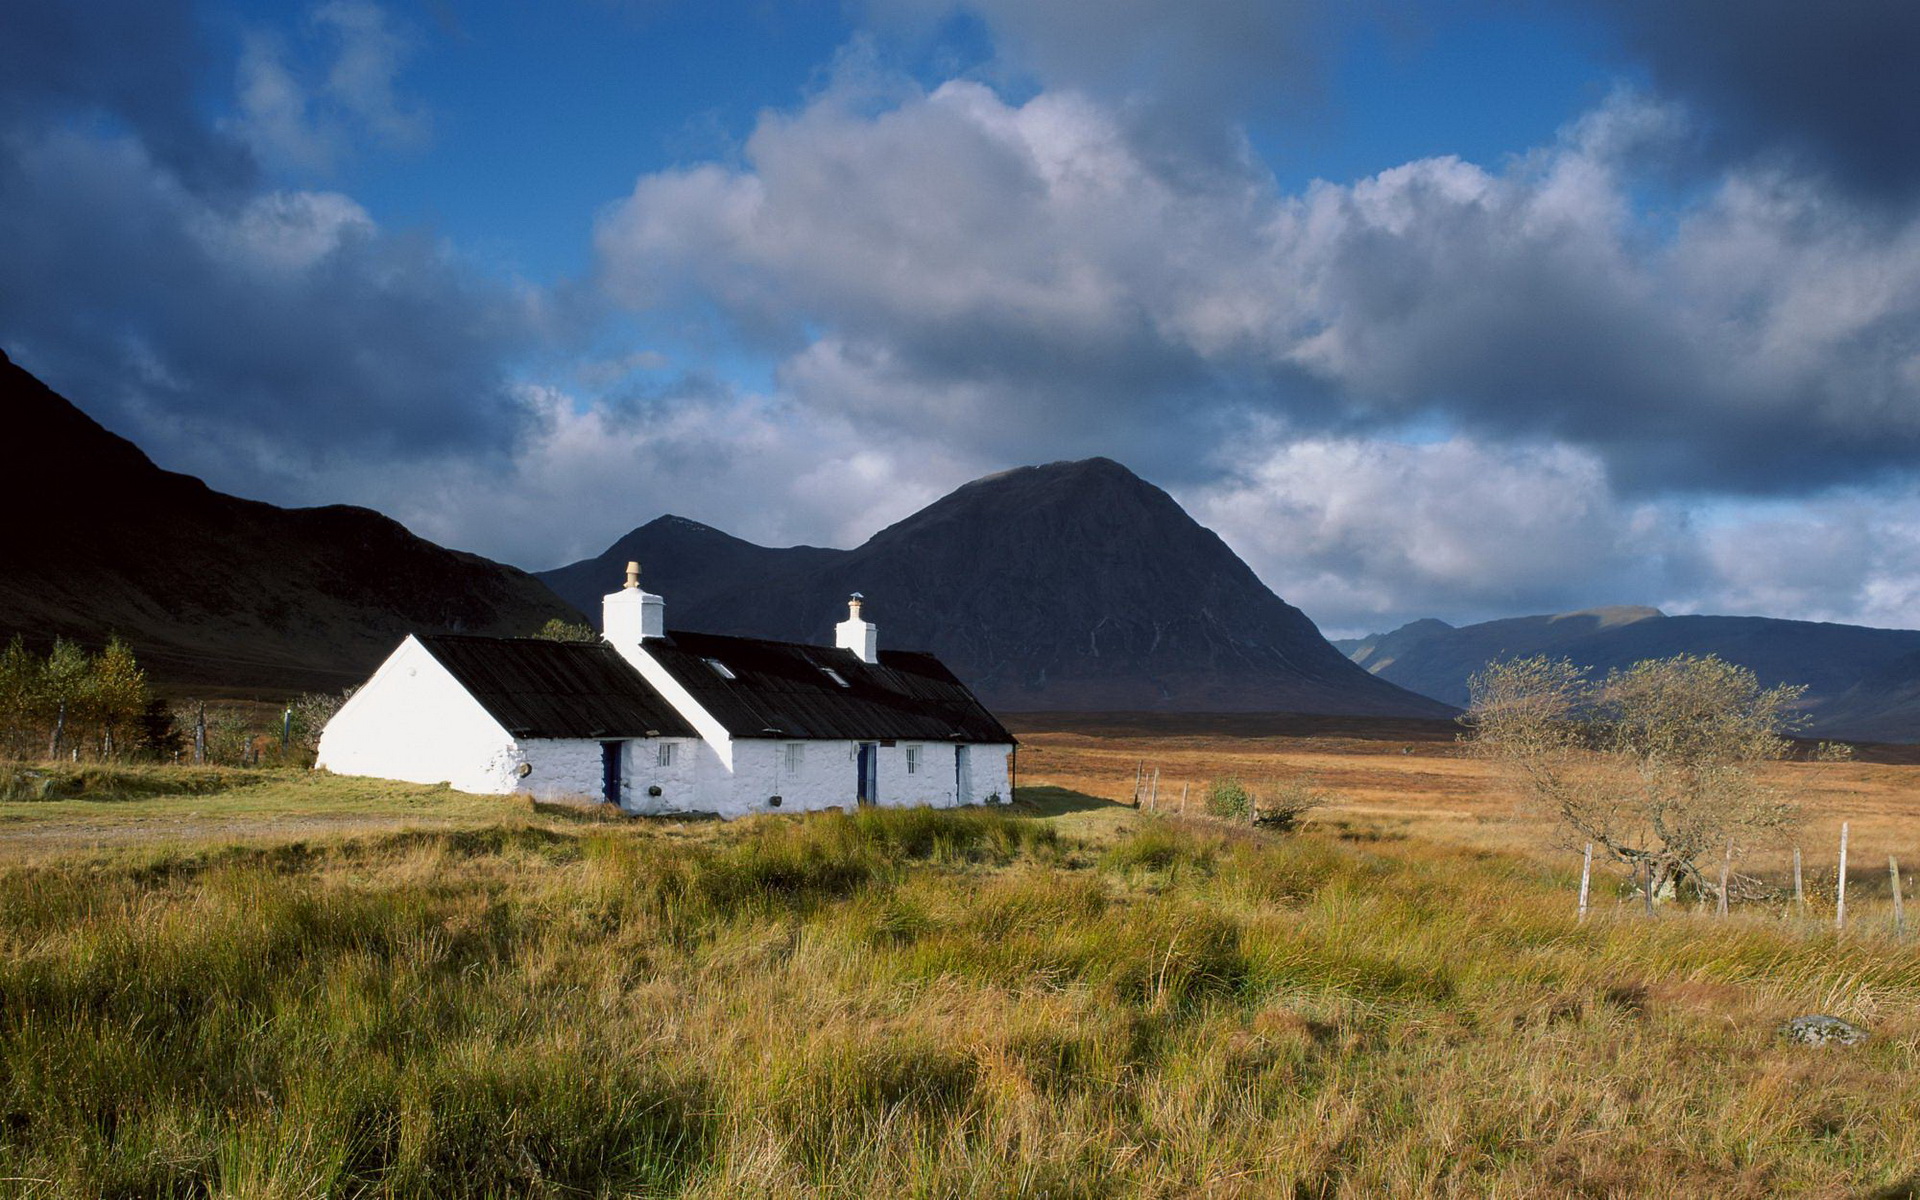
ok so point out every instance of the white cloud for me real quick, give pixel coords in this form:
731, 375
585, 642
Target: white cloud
755, 466
1027, 266
1367, 534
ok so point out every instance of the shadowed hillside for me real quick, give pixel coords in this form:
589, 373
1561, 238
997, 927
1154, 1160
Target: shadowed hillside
210, 589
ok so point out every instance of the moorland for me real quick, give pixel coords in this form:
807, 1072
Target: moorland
271, 983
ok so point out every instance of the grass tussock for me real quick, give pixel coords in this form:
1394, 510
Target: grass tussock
116, 781
918, 1003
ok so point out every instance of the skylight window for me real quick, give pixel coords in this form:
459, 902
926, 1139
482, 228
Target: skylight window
834, 675
719, 668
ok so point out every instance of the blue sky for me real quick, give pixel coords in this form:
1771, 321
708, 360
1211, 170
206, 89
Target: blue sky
1455, 309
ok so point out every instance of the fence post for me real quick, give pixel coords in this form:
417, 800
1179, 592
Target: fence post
200, 734
1799, 889
1646, 892
1840, 898
1726, 869
1586, 874
1153, 792
1183, 799
1137, 770
1899, 902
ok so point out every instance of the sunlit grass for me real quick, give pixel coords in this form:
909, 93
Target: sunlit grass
919, 1003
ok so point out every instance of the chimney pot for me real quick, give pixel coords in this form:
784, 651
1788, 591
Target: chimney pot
856, 633
632, 615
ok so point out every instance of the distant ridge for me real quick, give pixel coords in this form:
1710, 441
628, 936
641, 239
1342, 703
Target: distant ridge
1861, 683
211, 590
1074, 586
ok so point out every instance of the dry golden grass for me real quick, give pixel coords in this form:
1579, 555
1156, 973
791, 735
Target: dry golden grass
920, 1004
1427, 789
292, 996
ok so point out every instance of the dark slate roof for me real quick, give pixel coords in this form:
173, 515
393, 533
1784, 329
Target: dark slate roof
782, 690
541, 689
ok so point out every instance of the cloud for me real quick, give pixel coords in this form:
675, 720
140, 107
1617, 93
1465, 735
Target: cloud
754, 465
1829, 84
235, 328
1369, 534
1017, 275
306, 116
1180, 77
1366, 535
133, 62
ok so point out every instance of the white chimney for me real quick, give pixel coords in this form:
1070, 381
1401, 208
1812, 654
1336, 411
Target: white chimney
857, 635
630, 616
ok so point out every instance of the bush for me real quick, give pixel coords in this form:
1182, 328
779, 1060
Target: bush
1228, 797
1287, 801
1279, 805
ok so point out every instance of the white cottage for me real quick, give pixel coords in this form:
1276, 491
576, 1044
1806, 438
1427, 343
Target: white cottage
659, 721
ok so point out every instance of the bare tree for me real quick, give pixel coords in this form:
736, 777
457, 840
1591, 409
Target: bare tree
1659, 764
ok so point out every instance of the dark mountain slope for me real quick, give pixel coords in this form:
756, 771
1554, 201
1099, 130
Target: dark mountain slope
1072, 586
210, 589
1858, 679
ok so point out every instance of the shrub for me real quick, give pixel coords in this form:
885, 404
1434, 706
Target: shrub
1228, 797
1286, 802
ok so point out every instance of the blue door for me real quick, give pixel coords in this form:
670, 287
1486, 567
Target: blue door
610, 772
869, 773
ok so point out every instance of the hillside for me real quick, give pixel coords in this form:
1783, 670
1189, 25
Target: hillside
1861, 682
214, 591
1068, 587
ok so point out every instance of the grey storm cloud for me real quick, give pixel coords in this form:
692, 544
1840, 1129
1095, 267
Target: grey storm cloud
136, 62
1833, 83
229, 326
1179, 75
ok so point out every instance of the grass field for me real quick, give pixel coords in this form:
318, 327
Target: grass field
1413, 780
327, 987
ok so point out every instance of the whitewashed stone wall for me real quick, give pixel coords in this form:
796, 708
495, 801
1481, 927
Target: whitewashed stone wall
827, 777
931, 783
987, 766
564, 770
414, 722
678, 781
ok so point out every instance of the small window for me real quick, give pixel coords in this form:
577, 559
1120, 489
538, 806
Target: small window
666, 754
719, 668
834, 675
913, 760
796, 754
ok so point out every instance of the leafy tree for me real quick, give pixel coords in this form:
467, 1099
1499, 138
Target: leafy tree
118, 694
65, 692
559, 630
311, 713
160, 734
19, 697
1659, 764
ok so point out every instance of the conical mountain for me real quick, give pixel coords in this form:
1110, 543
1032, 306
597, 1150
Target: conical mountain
210, 589
1075, 586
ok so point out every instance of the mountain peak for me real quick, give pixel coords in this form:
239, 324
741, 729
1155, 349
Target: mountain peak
1070, 585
